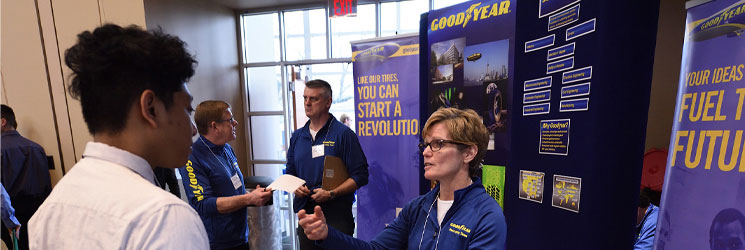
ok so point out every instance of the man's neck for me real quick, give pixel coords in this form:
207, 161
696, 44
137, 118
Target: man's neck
212, 137
316, 123
126, 142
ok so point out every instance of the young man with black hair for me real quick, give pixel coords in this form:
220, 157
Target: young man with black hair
25, 172
131, 85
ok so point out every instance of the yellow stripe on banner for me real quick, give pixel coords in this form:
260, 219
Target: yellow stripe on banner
407, 50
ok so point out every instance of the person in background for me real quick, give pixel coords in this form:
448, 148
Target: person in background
344, 119
25, 172
8, 217
167, 176
646, 221
213, 181
132, 90
324, 136
727, 231
456, 214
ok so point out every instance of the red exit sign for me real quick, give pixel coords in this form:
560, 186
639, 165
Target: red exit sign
340, 8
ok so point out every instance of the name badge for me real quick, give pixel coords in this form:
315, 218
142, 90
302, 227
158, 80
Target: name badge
317, 150
236, 181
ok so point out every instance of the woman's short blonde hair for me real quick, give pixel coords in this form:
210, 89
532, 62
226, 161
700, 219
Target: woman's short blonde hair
463, 126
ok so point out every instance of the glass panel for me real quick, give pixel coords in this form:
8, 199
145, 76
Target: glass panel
264, 88
268, 138
401, 17
260, 38
346, 29
339, 76
445, 3
305, 34
269, 170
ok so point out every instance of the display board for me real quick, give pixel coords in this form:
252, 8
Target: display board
704, 192
386, 99
583, 73
469, 64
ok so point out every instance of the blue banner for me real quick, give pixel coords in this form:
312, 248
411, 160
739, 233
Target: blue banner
386, 100
704, 192
470, 50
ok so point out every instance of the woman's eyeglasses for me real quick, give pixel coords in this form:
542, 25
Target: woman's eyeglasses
436, 145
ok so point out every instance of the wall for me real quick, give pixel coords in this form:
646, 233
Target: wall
210, 31
34, 36
666, 71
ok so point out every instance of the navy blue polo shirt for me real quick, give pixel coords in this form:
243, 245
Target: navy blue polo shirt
25, 170
206, 177
338, 140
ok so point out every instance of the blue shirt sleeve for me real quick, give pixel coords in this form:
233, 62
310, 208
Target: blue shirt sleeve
393, 236
645, 240
8, 213
354, 158
291, 157
198, 188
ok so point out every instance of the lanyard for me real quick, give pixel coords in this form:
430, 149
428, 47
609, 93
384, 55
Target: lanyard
327, 132
230, 173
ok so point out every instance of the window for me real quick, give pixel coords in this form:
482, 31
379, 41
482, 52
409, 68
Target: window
438, 4
347, 29
260, 42
401, 17
305, 34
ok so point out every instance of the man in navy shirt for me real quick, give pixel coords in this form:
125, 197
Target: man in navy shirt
323, 136
213, 181
25, 173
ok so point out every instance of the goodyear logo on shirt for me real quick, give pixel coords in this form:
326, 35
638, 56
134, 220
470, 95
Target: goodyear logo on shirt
460, 230
195, 187
474, 13
329, 143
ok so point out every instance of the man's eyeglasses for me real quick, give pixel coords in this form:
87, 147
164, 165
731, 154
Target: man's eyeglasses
231, 120
436, 145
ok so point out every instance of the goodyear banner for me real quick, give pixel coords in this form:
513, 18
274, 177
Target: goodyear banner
704, 194
470, 63
387, 109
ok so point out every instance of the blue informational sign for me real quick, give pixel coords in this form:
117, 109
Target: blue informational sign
706, 162
575, 90
574, 105
554, 137
580, 29
548, 7
385, 75
536, 109
576, 75
559, 52
563, 18
560, 65
540, 96
540, 43
540, 83
469, 58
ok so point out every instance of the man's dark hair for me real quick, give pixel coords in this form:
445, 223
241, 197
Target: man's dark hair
644, 199
9, 116
726, 216
318, 83
112, 66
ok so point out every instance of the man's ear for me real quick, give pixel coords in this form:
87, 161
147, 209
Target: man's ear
4, 122
148, 110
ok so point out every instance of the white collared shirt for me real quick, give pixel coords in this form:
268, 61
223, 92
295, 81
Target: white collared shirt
109, 200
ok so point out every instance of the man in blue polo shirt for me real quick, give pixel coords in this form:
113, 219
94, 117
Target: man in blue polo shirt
213, 181
323, 136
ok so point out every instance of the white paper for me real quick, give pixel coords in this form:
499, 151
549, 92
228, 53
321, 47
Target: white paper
287, 183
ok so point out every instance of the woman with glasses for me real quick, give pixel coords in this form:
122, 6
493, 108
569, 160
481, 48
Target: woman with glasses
456, 214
